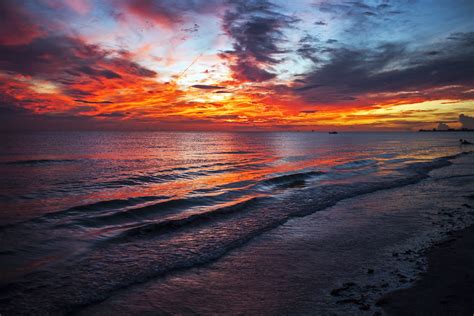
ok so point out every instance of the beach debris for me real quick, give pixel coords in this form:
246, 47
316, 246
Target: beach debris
345, 287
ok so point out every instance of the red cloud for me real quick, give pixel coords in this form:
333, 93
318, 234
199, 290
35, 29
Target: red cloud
167, 13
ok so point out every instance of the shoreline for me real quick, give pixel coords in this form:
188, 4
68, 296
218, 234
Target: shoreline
338, 261
447, 287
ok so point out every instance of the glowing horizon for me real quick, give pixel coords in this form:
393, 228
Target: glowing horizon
235, 65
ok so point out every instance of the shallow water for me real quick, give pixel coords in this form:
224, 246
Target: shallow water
338, 261
86, 215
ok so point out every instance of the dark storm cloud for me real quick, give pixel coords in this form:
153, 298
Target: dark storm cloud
17, 26
307, 48
93, 102
224, 117
465, 38
8, 109
206, 87
359, 8
13, 117
60, 57
78, 93
124, 62
305, 88
257, 29
390, 68
97, 73
30, 45
361, 15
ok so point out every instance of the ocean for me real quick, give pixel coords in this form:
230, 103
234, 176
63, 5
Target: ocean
94, 222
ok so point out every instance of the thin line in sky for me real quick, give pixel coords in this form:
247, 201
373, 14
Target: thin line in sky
184, 71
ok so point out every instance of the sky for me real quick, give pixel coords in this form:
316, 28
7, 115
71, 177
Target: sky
361, 65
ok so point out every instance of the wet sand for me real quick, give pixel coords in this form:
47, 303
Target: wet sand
447, 288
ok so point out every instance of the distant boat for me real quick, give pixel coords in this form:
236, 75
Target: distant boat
332, 132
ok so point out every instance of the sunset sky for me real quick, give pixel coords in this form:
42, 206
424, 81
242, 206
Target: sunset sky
235, 65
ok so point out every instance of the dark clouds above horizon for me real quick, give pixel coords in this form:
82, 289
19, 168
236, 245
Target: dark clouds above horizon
255, 63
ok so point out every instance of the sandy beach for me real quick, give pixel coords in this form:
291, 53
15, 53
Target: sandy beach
447, 288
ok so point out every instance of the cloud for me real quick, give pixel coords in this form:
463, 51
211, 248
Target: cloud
166, 13
79, 6
93, 102
206, 87
352, 72
466, 121
224, 117
193, 29
69, 61
62, 57
307, 48
257, 30
111, 114
359, 13
54, 74
17, 26
97, 73
305, 88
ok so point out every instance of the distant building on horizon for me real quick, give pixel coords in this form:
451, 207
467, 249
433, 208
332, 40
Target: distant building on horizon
467, 125
467, 122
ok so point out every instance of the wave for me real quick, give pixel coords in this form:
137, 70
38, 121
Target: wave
178, 205
398, 160
173, 174
113, 204
85, 209
290, 180
391, 155
355, 164
142, 253
188, 221
38, 161
328, 196
140, 213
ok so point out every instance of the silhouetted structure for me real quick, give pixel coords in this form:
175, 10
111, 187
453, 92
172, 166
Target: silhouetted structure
447, 130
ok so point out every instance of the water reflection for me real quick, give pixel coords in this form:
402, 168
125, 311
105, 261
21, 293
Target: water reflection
82, 168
